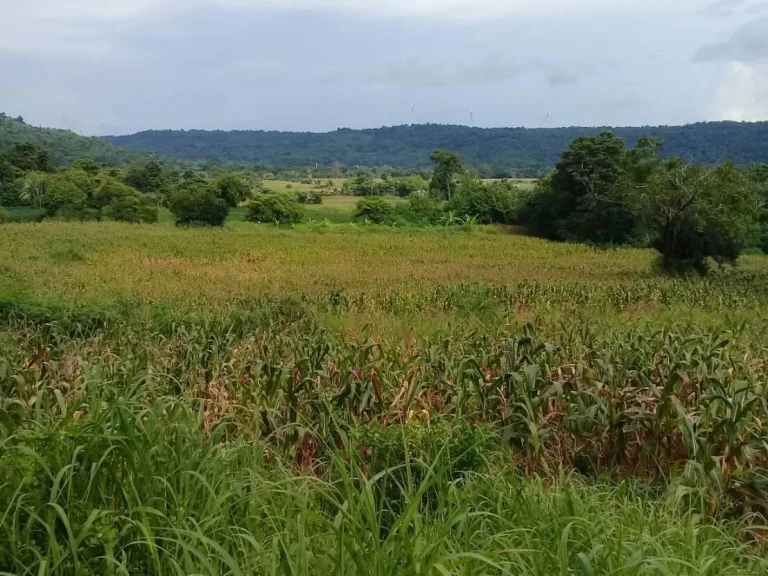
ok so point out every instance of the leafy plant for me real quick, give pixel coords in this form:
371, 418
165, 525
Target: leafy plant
197, 203
274, 207
375, 209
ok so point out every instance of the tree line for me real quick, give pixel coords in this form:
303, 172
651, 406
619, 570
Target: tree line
494, 153
600, 192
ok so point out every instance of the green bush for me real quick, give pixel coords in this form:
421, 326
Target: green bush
196, 203
311, 197
136, 208
232, 188
421, 210
4, 216
10, 193
64, 199
495, 203
274, 207
118, 201
375, 209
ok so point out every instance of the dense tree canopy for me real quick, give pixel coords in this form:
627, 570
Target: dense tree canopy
495, 152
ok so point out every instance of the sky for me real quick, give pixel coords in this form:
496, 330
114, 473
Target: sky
121, 66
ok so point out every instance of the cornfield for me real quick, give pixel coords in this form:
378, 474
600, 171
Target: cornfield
290, 402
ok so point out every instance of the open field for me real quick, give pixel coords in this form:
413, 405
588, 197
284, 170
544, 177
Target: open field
351, 399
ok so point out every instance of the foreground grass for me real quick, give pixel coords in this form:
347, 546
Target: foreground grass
118, 484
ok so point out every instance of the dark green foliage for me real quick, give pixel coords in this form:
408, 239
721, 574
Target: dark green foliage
696, 213
147, 177
447, 168
494, 203
311, 197
10, 192
64, 199
64, 146
4, 215
498, 152
361, 185
232, 188
274, 207
29, 157
404, 186
88, 165
586, 198
197, 203
421, 208
375, 209
121, 202
85, 181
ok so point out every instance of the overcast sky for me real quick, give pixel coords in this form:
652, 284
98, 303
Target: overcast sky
119, 66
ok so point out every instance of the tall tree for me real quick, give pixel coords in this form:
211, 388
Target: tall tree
696, 213
586, 198
447, 167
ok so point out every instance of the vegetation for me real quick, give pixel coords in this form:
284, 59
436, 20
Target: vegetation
495, 203
603, 193
375, 210
365, 400
198, 203
495, 153
64, 145
277, 208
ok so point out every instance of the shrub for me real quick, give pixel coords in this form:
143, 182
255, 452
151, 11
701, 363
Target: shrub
274, 207
136, 208
64, 199
491, 204
118, 201
196, 203
232, 189
405, 186
311, 197
420, 209
4, 216
10, 193
375, 209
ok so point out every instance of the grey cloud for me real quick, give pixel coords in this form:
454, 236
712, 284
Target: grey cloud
723, 8
262, 70
561, 79
489, 70
627, 103
748, 44
758, 8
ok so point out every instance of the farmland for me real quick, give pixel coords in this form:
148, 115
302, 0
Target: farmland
351, 399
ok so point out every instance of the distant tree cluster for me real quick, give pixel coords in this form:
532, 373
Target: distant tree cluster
494, 153
403, 186
86, 190
600, 192
604, 193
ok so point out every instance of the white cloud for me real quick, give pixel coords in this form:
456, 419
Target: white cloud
744, 93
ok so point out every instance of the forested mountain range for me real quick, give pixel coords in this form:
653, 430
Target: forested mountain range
65, 146
496, 151
409, 146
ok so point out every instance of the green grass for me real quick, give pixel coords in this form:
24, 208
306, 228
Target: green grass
343, 399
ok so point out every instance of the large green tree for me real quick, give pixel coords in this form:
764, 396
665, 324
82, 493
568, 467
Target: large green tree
695, 213
447, 168
587, 196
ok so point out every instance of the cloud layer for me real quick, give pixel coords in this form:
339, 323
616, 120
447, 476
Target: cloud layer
117, 66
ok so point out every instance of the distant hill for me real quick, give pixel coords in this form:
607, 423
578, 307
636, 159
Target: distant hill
64, 146
519, 149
